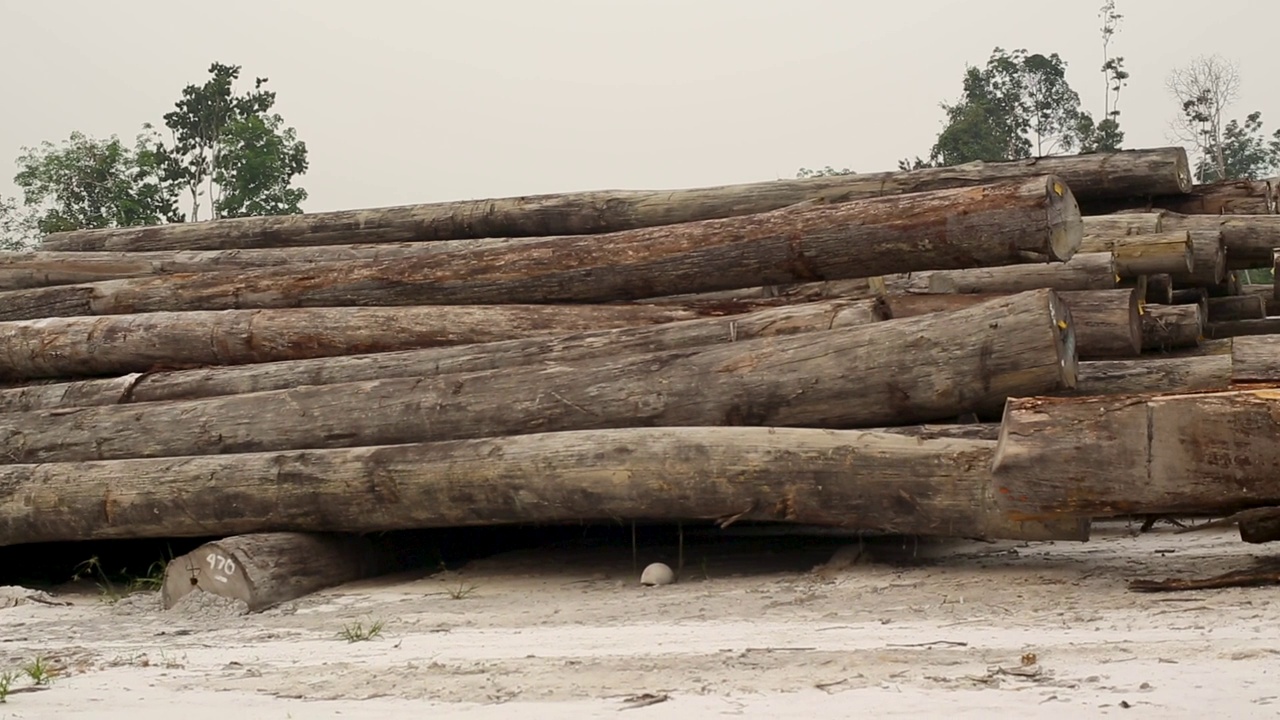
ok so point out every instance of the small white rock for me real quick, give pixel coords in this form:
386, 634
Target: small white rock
657, 574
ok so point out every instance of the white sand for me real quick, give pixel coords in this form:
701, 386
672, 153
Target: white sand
572, 634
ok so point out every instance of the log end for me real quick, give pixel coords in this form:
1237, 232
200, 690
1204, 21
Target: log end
1065, 339
1182, 168
1066, 224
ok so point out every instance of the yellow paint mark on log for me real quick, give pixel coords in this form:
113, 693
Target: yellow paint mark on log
1062, 324
1057, 188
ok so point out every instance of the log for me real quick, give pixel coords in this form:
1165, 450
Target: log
785, 294
432, 362
1266, 291
1022, 221
1153, 375
943, 366
1160, 289
1111, 174
859, 480
118, 344
1248, 238
1199, 453
1255, 358
1151, 223
1172, 326
1236, 307
1108, 323
1167, 252
1091, 271
266, 569
1240, 328
20, 270
1230, 197
1232, 284
1208, 263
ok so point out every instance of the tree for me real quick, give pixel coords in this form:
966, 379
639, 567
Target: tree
1106, 134
17, 227
230, 148
1246, 152
90, 183
827, 171
1205, 88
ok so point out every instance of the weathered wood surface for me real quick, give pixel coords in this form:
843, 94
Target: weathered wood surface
1023, 221
1230, 197
1150, 223
1232, 284
432, 362
1160, 289
1172, 326
1236, 307
1108, 323
19, 270
1255, 358
1112, 174
118, 344
859, 480
1167, 252
1249, 239
1091, 271
1154, 375
269, 568
889, 373
1201, 453
1266, 291
783, 294
1240, 328
1208, 262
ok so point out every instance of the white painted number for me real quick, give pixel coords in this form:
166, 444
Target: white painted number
220, 564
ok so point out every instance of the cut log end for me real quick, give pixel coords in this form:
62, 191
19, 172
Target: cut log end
1064, 219
1066, 340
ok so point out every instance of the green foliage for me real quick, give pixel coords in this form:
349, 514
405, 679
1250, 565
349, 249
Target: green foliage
90, 183
827, 171
230, 148
1246, 153
18, 229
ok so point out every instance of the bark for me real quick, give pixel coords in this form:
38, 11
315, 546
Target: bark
1255, 358
1208, 263
858, 480
1263, 526
1232, 284
1248, 238
19, 270
785, 294
1159, 289
1240, 328
1108, 323
432, 362
1168, 252
1094, 457
1230, 197
118, 344
1090, 271
1114, 174
1015, 222
269, 568
1153, 375
1266, 291
1151, 223
1172, 326
941, 366
1236, 307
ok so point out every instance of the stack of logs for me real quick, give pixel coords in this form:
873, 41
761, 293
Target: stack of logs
995, 350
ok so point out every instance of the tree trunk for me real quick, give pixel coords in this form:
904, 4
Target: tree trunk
1248, 238
1255, 358
1266, 291
1230, 197
1159, 289
1172, 326
1239, 328
1113, 174
1153, 375
1093, 457
785, 294
1169, 252
432, 362
1231, 284
1151, 223
118, 344
1236, 307
858, 480
936, 367
1208, 263
269, 568
1016, 222
1108, 323
1091, 271
20, 270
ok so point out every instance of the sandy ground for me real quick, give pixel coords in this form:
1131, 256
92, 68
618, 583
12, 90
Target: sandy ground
962, 630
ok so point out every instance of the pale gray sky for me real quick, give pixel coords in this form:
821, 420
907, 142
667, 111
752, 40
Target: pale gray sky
403, 102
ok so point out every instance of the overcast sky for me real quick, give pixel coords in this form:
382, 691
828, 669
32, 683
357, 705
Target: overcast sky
403, 102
